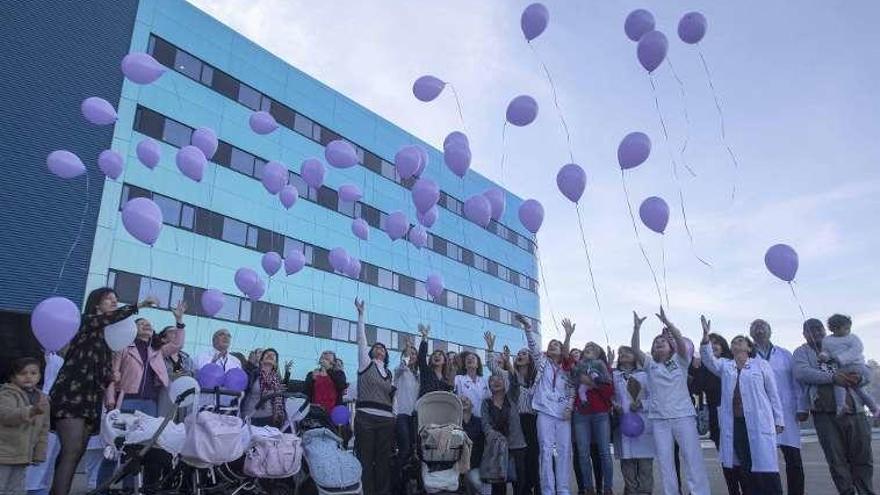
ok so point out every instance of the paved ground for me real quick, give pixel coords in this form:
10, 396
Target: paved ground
818, 479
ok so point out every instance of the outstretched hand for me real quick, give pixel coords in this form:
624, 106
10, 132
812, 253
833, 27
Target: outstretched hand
490, 341
637, 322
662, 317
707, 327
359, 305
523, 321
568, 326
610, 354
424, 330
180, 310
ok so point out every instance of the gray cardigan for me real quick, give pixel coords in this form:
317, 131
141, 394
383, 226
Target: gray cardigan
809, 372
515, 437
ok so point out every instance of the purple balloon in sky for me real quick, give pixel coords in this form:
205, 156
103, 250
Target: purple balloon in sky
205, 139
350, 193
692, 27
54, 322
288, 196
654, 213
638, 22
534, 20
652, 50
427, 88
361, 229
458, 158
425, 194
353, 268
142, 218
191, 162
571, 181
522, 110
294, 261
434, 285
340, 154
149, 152
312, 172
212, 301
782, 261
141, 68
257, 291
406, 160
495, 195
110, 162
423, 160
531, 214
456, 137
396, 225
338, 258
418, 236
65, 164
271, 262
98, 111
477, 209
274, 177
262, 122
246, 280
428, 218
633, 150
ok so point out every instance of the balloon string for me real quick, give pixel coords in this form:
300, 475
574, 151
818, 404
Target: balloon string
663, 260
730, 152
79, 230
794, 294
555, 101
681, 202
590, 270
546, 292
503, 150
687, 118
638, 237
458, 105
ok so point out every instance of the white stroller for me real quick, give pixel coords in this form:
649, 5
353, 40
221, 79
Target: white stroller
443, 446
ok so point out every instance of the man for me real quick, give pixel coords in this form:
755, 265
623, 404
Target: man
790, 395
846, 439
219, 354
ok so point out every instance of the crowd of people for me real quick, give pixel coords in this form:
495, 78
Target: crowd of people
533, 417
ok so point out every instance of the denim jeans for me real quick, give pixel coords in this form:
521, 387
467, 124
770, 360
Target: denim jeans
594, 428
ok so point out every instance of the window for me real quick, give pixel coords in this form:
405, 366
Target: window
249, 96
467, 257
439, 345
514, 278
244, 313
207, 74
327, 136
494, 313
346, 208
127, 287
176, 133
187, 216
453, 300
503, 272
111, 279
439, 246
386, 279
388, 171
259, 164
467, 304
370, 274
407, 285
223, 155
149, 122
188, 65
340, 329
327, 197
479, 308
170, 209
305, 321
242, 161
283, 114
322, 326
234, 231
453, 251
288, 319
264, 314
209, 223
504, 316
159, 289
479, 262
162, 51
225, 84
252, 236
301, 187
373, 162
320, 260
303, 125
421, 292
492, 267
230, 309
383, 335
450, 347
370, 215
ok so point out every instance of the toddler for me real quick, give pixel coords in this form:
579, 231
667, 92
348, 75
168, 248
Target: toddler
846, 351
24, 424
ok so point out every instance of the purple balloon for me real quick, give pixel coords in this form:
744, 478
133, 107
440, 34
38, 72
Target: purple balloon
496, 200
350, 193
428, 218
632, 425
425, 194
257, 291
534, 20
353, 268
692, 27
141, 68
423, 160
262, 122
571, 181
637, 23
65, 164
633, 150
205, 139
191, 162
110, 162
360, 228
98, 111
654, 213
782, 261
418, 236
288, 196
274, 177
458, 158
246, 280
54, 322
312, 172
531, 214
477, 209
406, 160
149, 152
434, 285
142, 218
212, 301
340, 415
652, 50
456, 137
294, 262
235, 380
338, 258
522, 110
210, 376
396, 225
340, 154
271, 262
427, 88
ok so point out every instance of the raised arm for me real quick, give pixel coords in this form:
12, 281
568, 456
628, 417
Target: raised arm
568, 326
175, 343
680, 346
363, 348
530, 337
493, 358
711, 363
635, 342
424, 367
94, 322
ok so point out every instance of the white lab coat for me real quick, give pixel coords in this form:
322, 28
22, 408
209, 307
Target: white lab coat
761, 406
642, 446
790, 395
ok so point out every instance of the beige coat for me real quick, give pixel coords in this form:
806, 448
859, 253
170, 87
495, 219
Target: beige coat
22, 437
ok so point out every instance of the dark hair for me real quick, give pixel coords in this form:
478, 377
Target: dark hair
270, 349
464, 356
444, 370
158, 339
531, 370
244, 362
384, 361
838, 321
715, 338
602, 356
18, 365
94, 299
748, 341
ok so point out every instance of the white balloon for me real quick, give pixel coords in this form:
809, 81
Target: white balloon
121, 334
180, 386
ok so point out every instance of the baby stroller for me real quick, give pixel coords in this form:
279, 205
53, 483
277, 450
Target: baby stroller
443, 447
330, 469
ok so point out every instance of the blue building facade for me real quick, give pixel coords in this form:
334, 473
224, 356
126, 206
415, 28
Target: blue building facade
216, 79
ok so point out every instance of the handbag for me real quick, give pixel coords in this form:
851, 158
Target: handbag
212, 438
273, 457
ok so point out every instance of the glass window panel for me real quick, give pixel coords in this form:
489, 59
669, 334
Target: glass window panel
373, 162
291, 245
162, 51
352, 332
303, 125
383, 335
160, 289
360, 153
328, 198
283, 114
421, 291
503, 315
230, 309
394, 340
244, 313
479, 262
467, 257
439, 345
266, 103
301, 187
288, 319
492, 267
149, 123
386, 279
187, 214
178, 293
207, 74
111, 279
479, 308
502, 231
371, 215
322, 326
439, 246
187, 64
234, 231
494, 313
170, 209
127, 287
514, 277
264, 314
321, 261
305, 320
225, 84
467, 304
327, 136
346, 208
176, 133
259, 164
310, 254
249, 96
252, 236
503, 272
407, 285
370, 274
450, 347
242, 161
388, 170
317, 132
453, 251
340, 329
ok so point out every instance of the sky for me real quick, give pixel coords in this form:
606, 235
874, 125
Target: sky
798, 92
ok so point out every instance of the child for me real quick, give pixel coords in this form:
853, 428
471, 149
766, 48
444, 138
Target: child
845, 349
595, 368
24, 424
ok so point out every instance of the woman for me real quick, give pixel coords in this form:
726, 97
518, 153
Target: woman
472, 383
553, 400
671, 410
501, 420
78, 393
264, 382
473, 426
177, 362
592, 418
325, 386
406, 384
751, 413
575, 356
433, 372
374, 418
632, 396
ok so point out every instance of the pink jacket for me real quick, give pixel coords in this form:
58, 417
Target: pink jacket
130, 368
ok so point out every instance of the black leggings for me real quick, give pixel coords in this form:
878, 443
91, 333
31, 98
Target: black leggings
531, 481
73, 436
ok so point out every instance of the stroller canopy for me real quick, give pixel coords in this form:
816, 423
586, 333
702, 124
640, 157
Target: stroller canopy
438, 408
